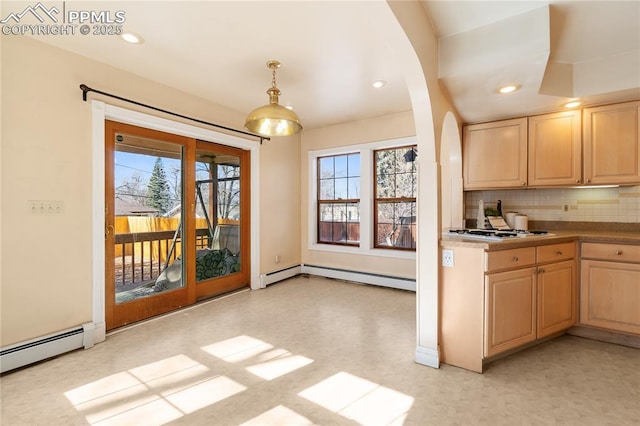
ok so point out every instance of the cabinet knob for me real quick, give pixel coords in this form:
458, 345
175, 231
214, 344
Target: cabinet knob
540, 271
588, 180
577, 180
558, 253
514, 258
619, 252
524, 183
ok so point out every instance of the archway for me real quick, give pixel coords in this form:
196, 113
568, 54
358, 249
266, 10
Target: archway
414, 45
451, 201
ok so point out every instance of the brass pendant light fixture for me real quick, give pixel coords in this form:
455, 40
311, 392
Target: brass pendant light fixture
273, 119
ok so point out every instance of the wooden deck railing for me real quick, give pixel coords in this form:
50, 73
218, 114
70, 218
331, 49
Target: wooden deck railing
141, 256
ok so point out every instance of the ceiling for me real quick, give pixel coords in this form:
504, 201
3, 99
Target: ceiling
331, 52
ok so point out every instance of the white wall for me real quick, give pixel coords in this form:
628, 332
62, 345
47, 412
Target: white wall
46, 263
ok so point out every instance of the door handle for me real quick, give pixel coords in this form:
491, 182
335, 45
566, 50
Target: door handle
108, 229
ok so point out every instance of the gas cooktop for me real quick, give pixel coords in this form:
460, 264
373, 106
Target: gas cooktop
494, 234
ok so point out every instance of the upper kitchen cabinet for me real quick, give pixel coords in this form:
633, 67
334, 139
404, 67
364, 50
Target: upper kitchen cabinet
611, 137
555, 149
495, 154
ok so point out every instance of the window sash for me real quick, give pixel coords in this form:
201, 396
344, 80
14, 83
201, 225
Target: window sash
396, 231
336, 189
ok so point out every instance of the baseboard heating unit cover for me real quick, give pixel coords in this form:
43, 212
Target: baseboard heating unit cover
25, 353
361, 277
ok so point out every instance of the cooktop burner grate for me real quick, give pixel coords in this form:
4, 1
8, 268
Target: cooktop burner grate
494, 234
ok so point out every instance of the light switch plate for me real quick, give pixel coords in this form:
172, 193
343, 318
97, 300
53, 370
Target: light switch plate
46, 207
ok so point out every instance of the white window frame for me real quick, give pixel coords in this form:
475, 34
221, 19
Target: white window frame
366, 199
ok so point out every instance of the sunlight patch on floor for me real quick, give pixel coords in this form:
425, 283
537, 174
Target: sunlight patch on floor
277, 416
272, 363
359, 399
157, 412
237, 349
154, 393
279, 367
203, 394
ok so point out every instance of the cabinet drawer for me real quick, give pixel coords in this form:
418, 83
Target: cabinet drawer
556, 252
611, 252
507, 259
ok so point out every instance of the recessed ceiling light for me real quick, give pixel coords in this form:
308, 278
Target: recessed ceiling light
572, 104
379, 83
508, 89
131, 38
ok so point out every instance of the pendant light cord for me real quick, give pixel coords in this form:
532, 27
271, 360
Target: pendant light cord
86, 89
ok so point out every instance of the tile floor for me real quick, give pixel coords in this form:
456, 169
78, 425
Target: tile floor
315, 351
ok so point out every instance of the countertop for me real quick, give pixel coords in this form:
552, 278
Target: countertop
559, 236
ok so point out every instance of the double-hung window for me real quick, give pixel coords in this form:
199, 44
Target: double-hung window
339, 199
395, 198
363, 199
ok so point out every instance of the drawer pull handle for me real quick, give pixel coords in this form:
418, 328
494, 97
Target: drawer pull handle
515, 258
558, 253
619, 252
541, 271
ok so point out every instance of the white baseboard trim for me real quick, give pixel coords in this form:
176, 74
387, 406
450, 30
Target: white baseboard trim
427, 356
282, 274
41, 348
361, 277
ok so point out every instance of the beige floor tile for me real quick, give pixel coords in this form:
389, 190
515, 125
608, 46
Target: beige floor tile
315, 351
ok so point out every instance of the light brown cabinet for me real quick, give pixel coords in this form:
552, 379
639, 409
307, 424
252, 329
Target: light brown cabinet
610, 287
529, 303
557, 297
510, 310
495, 301
595, 146
611, 144
555, 149
495, 154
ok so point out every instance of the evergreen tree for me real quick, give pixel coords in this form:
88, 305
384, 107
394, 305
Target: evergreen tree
158, 191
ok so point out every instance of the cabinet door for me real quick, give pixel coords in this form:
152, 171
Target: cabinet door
510, 310
611, 151
610, 295
495, 154
555, 149
556, 297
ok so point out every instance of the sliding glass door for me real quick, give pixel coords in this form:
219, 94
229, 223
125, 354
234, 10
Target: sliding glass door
175, 219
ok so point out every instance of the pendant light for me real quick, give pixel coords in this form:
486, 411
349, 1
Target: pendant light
273, 119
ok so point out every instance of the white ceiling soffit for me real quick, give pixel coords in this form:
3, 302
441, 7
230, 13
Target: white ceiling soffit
473, 64
554, 50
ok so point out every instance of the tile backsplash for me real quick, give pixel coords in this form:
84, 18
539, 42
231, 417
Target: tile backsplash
619, 205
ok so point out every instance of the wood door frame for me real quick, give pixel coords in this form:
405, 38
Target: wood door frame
101, 111
117, 315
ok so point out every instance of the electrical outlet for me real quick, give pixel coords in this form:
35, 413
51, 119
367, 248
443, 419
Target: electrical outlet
565, 208
447, 257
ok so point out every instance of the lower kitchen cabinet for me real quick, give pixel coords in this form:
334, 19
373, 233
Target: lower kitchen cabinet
510, 310
495, 301
557, 297
610, 287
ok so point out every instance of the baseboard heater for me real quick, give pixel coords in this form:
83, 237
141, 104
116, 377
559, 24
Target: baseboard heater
39, 349
361, 277
340, 274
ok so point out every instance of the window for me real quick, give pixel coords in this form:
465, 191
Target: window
395, 198
339, 199
343, 208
